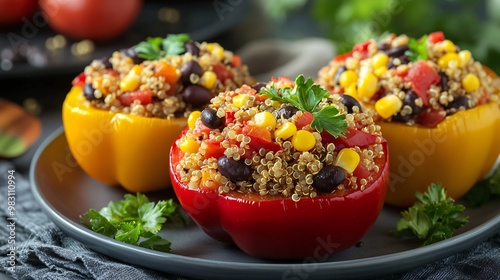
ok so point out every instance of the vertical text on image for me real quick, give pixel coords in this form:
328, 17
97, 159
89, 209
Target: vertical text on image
11, 219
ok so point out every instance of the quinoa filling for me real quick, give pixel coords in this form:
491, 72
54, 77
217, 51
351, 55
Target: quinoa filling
163, 78
245, 142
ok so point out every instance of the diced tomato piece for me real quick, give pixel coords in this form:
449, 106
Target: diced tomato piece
422, 76
213, 149
169, 72
172, 90
236, 61
222, 72
144, 96
362, 48
255, 131
79, 81
436, 37
342, 57
229, 117
305, 119
430, 117
352, 138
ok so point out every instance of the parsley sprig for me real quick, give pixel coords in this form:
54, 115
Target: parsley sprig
484, 190
155, 48
306, 96
133, 220
417, 49
433, 217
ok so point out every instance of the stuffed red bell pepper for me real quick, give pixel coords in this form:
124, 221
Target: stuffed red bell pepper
283, 170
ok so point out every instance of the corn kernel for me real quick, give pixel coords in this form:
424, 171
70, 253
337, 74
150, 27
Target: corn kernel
193, 117
211, 46
470, 83
444, 60
137, 69
189, 146
130, 82
368, 86
380, 60
265, 119
347, 78
241, 100
464, 56
347, 159
208, 79
388, 105
447, 46
303, 141
380, 71
351, 90
285, 131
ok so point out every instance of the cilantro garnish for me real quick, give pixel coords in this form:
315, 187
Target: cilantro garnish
133, 220
433, 217
484, 190
306, 96
157, 47
417, 49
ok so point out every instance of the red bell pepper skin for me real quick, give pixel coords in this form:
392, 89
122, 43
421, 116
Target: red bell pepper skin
279, 228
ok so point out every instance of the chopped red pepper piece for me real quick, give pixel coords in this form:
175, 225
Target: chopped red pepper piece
436, 37
422, 76
144, 96
79, 80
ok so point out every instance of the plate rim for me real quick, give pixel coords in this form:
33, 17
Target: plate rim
215, 269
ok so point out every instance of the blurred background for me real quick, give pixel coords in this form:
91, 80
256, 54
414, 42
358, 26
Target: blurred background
44, 44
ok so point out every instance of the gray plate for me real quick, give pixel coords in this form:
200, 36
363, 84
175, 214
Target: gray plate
64, 191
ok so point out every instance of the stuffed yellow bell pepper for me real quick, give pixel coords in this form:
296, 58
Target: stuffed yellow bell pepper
125, 111
438, 108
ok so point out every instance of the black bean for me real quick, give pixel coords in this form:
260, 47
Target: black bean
444, 81
339, 72
132, 53
88, 92
460, 101
210, 119
188, 68
397, 51
192, 48
404, 59
234, 170
197, 95
410, 98
402, 119
258, 86
105, 61
328, 178
287, 112
350, 102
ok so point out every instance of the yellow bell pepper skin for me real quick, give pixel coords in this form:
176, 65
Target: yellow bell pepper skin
117, 148
458, 152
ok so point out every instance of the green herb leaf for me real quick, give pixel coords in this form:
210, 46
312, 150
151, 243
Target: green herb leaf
433, 217
330, 120
155, 48
174, 44
417, 49
484, 190
306, 96
132, 219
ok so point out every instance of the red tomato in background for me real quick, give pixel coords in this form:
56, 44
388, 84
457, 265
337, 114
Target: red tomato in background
98, 20
12, 11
